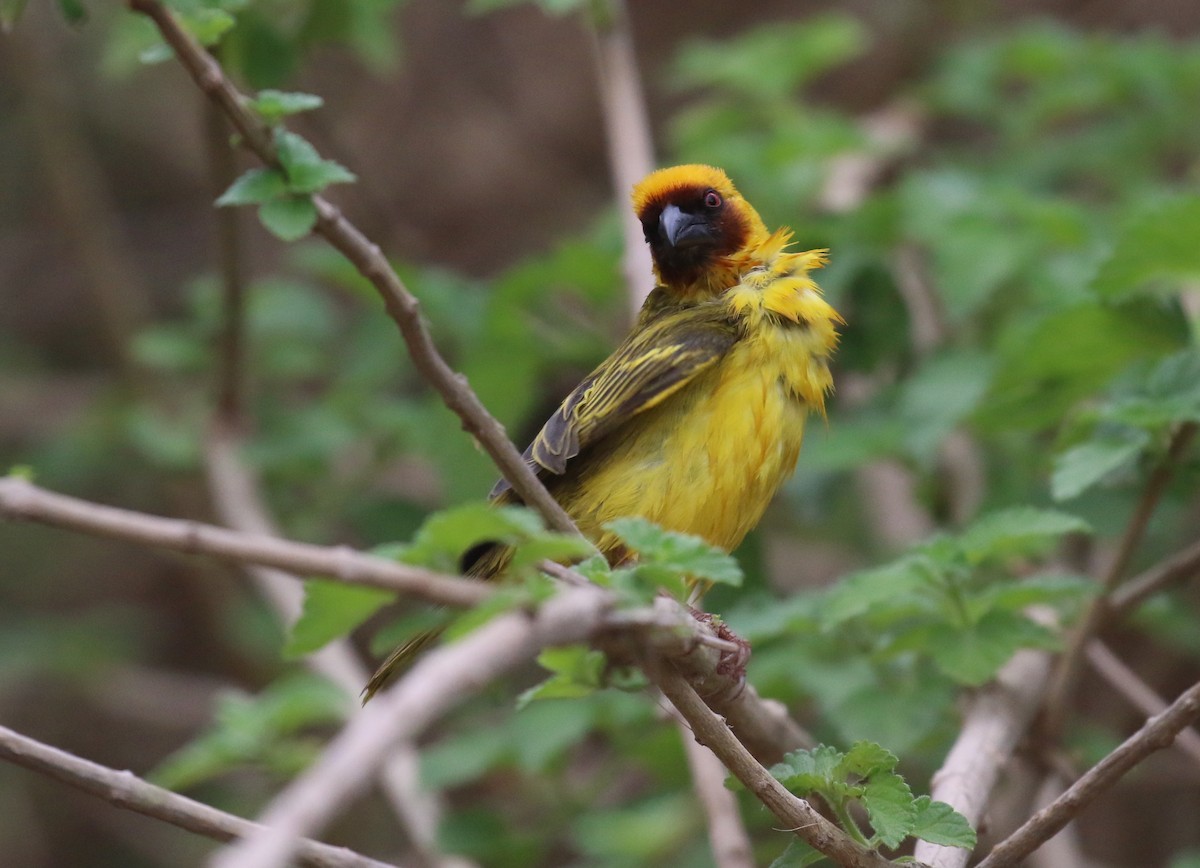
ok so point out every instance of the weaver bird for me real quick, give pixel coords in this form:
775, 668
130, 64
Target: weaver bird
696, 419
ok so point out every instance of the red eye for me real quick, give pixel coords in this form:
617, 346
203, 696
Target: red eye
712, 199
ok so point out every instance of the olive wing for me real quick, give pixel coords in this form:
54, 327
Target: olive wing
661, 356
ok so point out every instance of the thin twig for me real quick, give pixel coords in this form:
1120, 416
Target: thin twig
796, 814
231, 342
994, 724
20, 499
1180, 567
1157, 733
366, 256
125, 790
1066, 674
630, 144
1139, 694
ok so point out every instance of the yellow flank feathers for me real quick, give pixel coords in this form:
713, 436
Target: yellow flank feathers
696, 419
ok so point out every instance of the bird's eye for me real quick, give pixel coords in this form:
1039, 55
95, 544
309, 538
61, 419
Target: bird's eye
712, 199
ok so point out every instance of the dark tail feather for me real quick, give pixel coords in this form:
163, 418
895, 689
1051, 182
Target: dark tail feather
483, 562
399, 661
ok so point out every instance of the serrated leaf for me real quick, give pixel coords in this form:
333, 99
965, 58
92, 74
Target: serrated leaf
798, 854
1081, 467
1157, 248
331, 610
253, 188
938, 823
273, 105
808, 771
680, 552
1021, 530
447, 535
889, 804
289, 218
859, 592
866, 758
1042, 589
973, 655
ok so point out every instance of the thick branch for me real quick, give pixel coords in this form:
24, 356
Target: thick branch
797, 815
366, 256
126, 790
995, 723
20, 499
1158, 732
436, 683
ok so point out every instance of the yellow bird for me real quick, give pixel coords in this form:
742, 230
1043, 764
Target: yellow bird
696, 419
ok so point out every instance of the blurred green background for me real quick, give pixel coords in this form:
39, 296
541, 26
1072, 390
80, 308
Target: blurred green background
1009, 195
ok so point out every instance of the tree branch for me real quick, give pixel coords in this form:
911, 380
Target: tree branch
437, 682
994, 724
1067, 673
1157, 733
1179, 567
20, 499
366, 256
1138, 693
727, 836
796, 814
126, 790
630, 145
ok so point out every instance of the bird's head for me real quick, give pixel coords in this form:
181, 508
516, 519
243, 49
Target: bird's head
696, 224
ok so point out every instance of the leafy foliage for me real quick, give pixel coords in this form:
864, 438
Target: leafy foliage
866, 775
1048, 213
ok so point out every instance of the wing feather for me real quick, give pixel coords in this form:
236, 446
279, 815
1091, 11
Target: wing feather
669, 347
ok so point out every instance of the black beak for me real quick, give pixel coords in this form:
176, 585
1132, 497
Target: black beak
682, 229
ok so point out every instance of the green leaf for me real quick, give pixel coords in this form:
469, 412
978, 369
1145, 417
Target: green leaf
263, 730
798, 854
809, 771
973, 655
315, 178
577, 672
680, 552
559, 547
274, 105
447, 535
938, 823
866, 758
1082, 466
306, 171
207, 25
254, 187
289, 218
331, 610
889, 804
1020, 530
1158, 249
72, 10
1046, 367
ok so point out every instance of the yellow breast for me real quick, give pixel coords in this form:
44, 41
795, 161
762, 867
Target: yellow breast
708, 460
